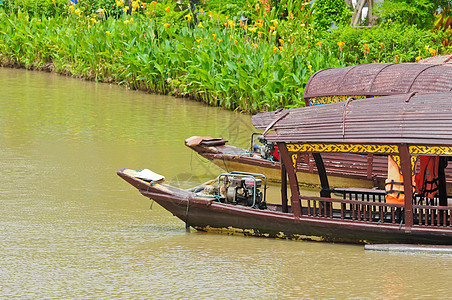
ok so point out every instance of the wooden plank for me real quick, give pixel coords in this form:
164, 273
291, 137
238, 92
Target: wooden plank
409, 248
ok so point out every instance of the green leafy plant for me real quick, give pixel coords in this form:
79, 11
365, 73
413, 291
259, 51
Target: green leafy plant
328, 12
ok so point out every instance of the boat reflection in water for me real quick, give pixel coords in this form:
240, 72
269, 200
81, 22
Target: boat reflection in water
237, 203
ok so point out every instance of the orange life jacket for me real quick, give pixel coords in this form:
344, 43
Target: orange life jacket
427, 178
394, 184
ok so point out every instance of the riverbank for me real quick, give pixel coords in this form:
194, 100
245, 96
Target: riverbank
219, 60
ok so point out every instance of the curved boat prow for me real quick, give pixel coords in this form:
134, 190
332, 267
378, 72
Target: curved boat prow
147, 180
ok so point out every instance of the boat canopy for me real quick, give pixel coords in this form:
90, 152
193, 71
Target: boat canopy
416, 119
438, 59
376, 79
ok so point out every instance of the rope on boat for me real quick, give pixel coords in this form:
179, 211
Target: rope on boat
225, 166
186, 213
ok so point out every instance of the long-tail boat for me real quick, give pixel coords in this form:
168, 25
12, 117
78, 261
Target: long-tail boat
401, 127
331, 86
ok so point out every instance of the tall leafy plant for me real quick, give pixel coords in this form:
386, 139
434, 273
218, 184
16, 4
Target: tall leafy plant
328, 12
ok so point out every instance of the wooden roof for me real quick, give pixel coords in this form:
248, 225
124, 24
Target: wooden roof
419, 119
438, 59
380, 79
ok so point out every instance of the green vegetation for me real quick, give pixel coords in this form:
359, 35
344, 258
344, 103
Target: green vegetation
262, 63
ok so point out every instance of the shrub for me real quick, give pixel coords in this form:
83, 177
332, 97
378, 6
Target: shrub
393, 42
327, 11
41, 8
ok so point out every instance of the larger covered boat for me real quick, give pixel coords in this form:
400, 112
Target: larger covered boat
332, 86
412, 209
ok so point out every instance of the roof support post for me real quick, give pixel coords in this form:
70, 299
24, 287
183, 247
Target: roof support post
293, 181
405, 163
325, 192
442, 188
285, 208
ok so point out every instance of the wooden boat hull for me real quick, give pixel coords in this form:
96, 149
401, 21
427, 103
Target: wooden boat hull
357, 174
273, 173
203, 213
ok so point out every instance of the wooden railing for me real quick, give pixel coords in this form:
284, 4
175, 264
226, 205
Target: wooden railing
436, 216
355, 210
369, 206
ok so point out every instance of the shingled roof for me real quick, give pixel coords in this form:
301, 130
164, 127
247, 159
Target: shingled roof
423, 118
380, 79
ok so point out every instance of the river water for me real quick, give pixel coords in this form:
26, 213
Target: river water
71, 228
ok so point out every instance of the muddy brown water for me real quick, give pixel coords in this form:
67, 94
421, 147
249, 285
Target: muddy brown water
71, 228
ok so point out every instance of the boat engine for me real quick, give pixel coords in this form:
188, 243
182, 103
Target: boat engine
242, 190
267, 148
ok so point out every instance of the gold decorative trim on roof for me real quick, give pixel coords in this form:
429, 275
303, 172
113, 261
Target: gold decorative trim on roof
343, 148
430, 150
331, 99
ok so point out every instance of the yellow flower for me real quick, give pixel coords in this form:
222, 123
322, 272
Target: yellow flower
418, 58
219, 41
432, 51
281, 41
272, 28
275, 22
319, 44
119, 3
214, 36
252, 29
126, 22
274, 33
340, 44
89, 26
154, 3
200, 25
94, 21
167, 25
235, 42
131, 20
125, 9
199, 41
255, 46
77, 11
167, 9
108, 32
231, 24
275, 49
310, 68
135, 4
188, 18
